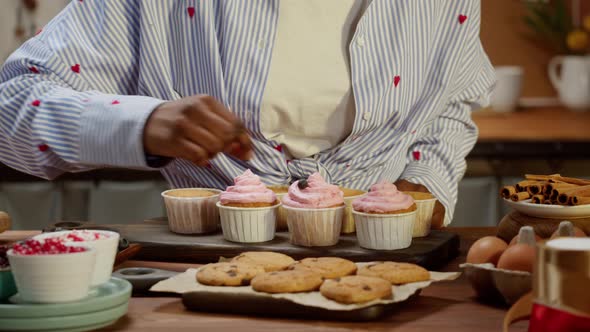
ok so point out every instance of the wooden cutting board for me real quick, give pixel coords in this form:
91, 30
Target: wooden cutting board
159, 244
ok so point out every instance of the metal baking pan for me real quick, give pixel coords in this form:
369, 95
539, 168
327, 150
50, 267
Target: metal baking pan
247, 304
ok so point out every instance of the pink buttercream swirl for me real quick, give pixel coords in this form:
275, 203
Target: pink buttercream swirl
247, 188
318, 194
383, 197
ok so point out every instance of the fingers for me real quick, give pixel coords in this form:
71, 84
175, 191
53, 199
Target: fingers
224, 128
205, 139
193, 152
438, 216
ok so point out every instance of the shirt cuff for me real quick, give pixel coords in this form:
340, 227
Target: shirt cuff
425, 175
111, 130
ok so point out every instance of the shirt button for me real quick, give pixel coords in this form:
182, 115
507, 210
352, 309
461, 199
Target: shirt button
360, 41
261, 44
366, 116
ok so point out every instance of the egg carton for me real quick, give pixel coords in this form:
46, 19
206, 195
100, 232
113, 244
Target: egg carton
498, 285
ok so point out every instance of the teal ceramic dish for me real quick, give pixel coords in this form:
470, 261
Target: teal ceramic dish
7, 285
104, 306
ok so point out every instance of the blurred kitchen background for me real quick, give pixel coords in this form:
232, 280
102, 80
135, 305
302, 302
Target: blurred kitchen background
539, 123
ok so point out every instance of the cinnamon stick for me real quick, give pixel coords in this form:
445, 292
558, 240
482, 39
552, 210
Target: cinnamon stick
579, 200
535, 189
507, 191
521, 196
537, 199
580, 182
523, 185
550, 186
565, 195
536, 177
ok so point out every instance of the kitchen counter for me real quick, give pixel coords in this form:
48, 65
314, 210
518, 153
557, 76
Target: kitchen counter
445, 306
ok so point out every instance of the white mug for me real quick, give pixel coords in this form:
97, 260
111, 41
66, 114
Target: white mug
507, 90
573, 85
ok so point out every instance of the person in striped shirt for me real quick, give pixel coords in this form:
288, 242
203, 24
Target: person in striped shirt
358, 90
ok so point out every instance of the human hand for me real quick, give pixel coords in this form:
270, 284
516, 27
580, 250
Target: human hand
195, 128
438, 215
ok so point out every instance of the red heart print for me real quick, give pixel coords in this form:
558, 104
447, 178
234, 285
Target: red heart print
115, 102
36, 103
39, 31
76, 68
416, 155
43, 147
34, 70
279, 148
396, 80
288, 161
462, 18
191, 11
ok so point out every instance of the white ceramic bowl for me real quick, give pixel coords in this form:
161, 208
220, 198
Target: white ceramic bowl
53, 278
192, 214
315, 227
248, 225
106, 251
384, 231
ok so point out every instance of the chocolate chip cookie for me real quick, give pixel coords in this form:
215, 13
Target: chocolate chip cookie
327, 267
356, 289
228, 274
396, 273
287, 282
270, 261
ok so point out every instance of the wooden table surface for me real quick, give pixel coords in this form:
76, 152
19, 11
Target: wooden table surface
535, 124
445, 306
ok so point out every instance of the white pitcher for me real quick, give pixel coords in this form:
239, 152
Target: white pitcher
573, 85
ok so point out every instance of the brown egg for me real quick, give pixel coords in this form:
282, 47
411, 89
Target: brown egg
519, 257
488, 249
516, 238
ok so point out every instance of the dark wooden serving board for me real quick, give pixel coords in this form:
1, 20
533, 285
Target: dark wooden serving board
159, 244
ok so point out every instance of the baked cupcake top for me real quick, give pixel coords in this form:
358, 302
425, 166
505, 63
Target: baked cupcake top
313, 193
382, 198
247, 188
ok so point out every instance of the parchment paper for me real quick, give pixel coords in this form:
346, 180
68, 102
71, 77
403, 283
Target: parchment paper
187, 282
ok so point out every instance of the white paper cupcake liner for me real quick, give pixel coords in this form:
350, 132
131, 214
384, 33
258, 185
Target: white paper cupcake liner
348, 219
192, 215
314, 227
423, 217
384, 231
281, 215
248, 225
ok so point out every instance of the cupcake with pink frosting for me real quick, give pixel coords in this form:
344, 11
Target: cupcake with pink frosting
248, 210
314, 212
248, 191
384, 218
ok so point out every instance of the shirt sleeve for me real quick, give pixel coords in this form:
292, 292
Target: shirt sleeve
68, 97
437, 157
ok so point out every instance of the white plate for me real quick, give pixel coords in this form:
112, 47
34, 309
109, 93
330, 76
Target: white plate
550, 211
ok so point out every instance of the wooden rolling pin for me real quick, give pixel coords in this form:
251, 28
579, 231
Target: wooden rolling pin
4, 221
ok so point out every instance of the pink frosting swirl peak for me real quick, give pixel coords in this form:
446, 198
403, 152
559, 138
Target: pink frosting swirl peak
247, 188
316, 195
383, 197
